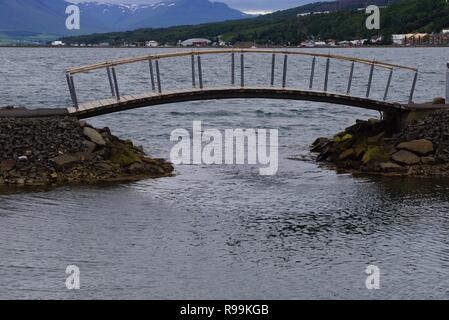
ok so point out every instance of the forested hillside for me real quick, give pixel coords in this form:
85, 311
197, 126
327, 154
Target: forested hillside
284, 27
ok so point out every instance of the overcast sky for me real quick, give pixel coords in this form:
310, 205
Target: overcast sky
244, 5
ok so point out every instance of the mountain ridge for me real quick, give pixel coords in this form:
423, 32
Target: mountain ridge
48, 16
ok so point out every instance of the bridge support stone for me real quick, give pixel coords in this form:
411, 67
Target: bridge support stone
401, 120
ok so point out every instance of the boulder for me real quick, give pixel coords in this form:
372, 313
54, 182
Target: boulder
105, 166
428, 160
421, 147
94, 136
319, 144
69, 159
65, 160
346, 154
375, 154
342, 137
391, 150
391, 167
439, 100
90, 146
124, 156
405, 157
359, 149
356, 128
377, 139
7, 165
136, 167
156, 169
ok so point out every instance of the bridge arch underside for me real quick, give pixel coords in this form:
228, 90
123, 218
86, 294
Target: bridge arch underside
239, 93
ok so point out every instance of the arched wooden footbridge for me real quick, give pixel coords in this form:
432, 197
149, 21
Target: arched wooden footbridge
193, 87
237, 88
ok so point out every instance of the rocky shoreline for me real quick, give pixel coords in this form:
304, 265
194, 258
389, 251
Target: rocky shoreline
64, 150
420, 148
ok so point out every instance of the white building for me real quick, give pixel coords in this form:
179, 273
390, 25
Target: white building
344, 43
152, 44
398, 39
359, 42
58, 43
195, 42
320, 44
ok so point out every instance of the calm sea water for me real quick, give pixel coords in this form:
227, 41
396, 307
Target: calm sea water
224, 231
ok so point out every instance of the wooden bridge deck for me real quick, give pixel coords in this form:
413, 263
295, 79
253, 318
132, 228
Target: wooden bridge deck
106, 106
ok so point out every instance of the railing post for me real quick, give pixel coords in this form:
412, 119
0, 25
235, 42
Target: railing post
273, 65
158, 77
312, 73
153, 85
284, 75
69, 84
242, 70
200, 72
193, 71
351, 74
370, 81
114, 77
326, 77
390, 76
111, 84
447, 82
72, 90
233, 69
415, 78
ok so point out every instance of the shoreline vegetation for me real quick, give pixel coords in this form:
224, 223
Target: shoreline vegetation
65, 150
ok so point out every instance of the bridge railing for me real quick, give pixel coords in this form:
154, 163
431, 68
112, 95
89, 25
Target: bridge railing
237, 77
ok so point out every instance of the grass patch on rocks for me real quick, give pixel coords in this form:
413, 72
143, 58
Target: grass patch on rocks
374, 146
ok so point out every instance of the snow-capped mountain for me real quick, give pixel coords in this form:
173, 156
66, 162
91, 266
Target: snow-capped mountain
48, 16
161, 14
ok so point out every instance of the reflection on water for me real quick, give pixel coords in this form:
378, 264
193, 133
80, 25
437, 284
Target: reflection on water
224, 231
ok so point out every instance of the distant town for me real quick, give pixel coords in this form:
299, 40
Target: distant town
404, 40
